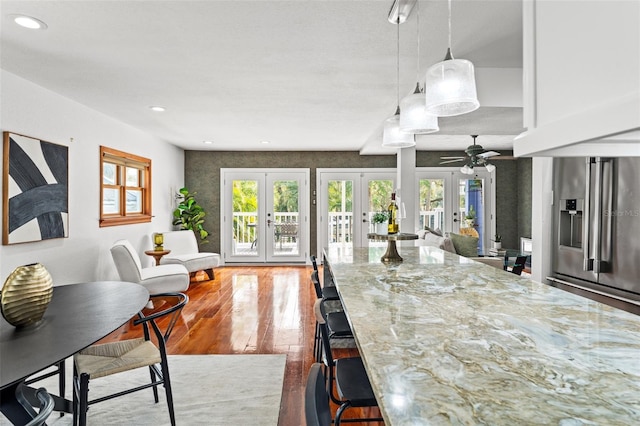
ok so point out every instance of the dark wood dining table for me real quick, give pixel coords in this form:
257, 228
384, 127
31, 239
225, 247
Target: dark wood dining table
77, 316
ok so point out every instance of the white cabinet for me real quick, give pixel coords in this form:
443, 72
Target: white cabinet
581, 78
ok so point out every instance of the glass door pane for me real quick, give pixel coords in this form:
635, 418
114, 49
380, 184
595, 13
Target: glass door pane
472, 209
431, 205
245, 218
340, 212
286, 218
378, 199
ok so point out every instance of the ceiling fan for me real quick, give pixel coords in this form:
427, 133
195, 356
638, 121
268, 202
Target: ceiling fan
476, 156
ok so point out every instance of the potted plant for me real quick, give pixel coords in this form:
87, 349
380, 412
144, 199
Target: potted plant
190, 215
470, 217
381, 222
497, 241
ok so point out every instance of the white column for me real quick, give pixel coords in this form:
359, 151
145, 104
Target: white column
406, 185
541, 218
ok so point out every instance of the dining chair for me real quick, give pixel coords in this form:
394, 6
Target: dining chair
55, 370
46, 407
518, 265
327, 278
350, 377
316, 399
326, 293
105, 359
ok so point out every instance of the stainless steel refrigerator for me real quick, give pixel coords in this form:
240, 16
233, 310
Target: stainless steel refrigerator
596, 204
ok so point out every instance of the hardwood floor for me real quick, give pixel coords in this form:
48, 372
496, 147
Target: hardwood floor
254, 310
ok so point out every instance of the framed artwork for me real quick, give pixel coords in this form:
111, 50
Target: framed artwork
35, 190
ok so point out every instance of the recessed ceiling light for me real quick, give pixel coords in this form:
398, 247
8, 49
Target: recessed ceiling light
264, 142
29, 22
207, 142
157, 108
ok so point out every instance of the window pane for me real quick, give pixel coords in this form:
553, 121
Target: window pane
110, 201
109, 173
134, 201
286, 214
133, 177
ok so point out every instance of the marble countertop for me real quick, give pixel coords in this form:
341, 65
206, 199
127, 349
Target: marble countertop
447, 340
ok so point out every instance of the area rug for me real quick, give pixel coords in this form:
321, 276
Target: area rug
207, 390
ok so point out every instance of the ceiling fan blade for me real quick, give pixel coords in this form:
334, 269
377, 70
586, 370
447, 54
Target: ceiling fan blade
488, 154
451, 158
452, 161
508, 157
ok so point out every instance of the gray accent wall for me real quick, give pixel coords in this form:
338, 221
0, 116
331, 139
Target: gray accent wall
202, 175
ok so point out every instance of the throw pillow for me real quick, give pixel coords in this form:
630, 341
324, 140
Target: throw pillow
421, 233
439, 242
464, 245
448, 245
436, 231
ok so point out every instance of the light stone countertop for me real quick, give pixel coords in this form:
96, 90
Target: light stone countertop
447, 340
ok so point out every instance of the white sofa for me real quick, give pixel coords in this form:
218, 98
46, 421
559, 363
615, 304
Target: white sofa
184, 251
157, 279
426, 238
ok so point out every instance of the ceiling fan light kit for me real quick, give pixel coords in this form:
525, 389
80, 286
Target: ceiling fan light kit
450, 85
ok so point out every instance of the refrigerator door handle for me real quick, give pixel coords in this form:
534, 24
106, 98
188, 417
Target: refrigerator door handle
599, 265
586, 223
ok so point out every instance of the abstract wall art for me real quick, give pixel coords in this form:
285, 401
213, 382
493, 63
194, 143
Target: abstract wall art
35, 195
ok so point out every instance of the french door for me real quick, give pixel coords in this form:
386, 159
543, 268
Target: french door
455, 202
264, 215
347, 201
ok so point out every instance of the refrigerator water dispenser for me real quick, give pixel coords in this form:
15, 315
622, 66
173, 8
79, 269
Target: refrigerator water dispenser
570, 229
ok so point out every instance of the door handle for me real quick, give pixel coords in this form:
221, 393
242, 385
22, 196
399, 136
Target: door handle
268, 222
586, 221
455, 220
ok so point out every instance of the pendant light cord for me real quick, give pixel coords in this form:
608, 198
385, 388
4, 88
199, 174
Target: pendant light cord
398, 65
418, 42
449, 24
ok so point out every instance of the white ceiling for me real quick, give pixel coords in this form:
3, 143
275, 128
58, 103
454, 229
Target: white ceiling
304, 75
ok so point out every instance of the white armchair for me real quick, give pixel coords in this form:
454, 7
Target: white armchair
184, 251
157, 279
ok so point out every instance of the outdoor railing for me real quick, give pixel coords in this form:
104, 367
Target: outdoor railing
244, 224
340, 224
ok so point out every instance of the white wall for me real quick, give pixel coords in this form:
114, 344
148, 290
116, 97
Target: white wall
34, 111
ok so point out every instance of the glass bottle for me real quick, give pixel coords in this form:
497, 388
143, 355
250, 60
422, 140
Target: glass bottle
393, 215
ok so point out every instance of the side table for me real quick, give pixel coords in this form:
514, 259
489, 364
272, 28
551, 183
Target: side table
157, 254
391, 255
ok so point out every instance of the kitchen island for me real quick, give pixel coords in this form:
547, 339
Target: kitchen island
447, 340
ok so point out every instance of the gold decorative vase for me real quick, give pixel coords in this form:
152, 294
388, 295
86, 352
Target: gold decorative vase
26, 294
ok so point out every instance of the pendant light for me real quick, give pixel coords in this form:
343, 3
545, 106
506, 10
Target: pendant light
450, 85
415, 118
392, 135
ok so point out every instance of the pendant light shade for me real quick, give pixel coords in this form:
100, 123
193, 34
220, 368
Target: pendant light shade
450, 85
490, 167
450, 88
393, 137
415, 118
